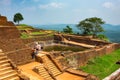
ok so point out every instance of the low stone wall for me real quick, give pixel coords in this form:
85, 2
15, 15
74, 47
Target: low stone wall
19, 57
81, 58
3, 19
81, 39
9, 32
42, 38
11, 44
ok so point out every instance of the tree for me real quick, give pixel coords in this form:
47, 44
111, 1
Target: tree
18, 17
68, 30
91, 26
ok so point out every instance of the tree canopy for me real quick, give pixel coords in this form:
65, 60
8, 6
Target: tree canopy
68, 30
18, 17
91, 26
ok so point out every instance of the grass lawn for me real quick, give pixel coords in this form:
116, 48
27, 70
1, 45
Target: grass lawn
103, 66
37, 33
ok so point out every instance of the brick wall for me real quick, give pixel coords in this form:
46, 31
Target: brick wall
3, 19
81, 58
11, 43
81, 39
9, 33
42, 38
4, 22
20, 56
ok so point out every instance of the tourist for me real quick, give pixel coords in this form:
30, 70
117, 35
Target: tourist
36, 49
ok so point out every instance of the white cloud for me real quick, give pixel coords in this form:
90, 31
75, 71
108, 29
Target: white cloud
108, 5
5, 2
51, 5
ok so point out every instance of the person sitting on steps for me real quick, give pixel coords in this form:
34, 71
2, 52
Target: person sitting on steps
36, 49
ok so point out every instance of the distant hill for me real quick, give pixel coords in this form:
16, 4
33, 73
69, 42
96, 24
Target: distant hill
111, 31
111, 27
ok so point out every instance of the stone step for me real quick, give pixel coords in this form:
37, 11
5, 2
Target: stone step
4, 65
7, 77
50, 66
4, 61
44, 73
1, 54
3, 57
56, 73
14, 78
7, 72
5, 69
46, 76
53, 70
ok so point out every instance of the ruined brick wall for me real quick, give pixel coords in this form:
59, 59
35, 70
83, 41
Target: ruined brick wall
81, 39
9, 32
42, 38
3, 19
11, 43
21, 56
4, 22
81, 58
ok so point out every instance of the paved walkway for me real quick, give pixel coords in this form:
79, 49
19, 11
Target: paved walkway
112, 75
68, 76
79, 44
76, 43
27, 70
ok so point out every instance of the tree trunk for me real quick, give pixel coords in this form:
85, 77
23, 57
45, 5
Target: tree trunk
18, 22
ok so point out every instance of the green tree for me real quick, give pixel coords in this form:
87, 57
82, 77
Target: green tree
102, 37
91, 26
18, 17
68, 30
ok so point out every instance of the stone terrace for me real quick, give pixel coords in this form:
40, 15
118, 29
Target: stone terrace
11, 43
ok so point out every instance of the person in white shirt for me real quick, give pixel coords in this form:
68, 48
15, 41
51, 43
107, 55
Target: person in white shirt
36, 49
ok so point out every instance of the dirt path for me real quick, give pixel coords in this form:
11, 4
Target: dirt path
68, 76
27, 70
79, 44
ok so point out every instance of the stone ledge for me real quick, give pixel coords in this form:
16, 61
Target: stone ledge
76, 72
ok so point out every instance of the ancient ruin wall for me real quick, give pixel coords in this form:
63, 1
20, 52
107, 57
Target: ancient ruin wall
11, 43
81, 58
8, 32
4, 22
43, 38
81, 39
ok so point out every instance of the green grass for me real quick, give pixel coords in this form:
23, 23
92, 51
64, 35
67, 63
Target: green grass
37, 33
24, 27
24, 35
103, 66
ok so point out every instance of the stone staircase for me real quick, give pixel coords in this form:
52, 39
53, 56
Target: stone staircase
50, 66
6, 71
43, 72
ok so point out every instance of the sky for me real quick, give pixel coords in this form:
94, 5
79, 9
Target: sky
61, 11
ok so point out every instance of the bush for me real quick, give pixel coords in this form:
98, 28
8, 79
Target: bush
102, 37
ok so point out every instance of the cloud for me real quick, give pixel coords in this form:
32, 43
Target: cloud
108, 5
51, 5
5, 2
